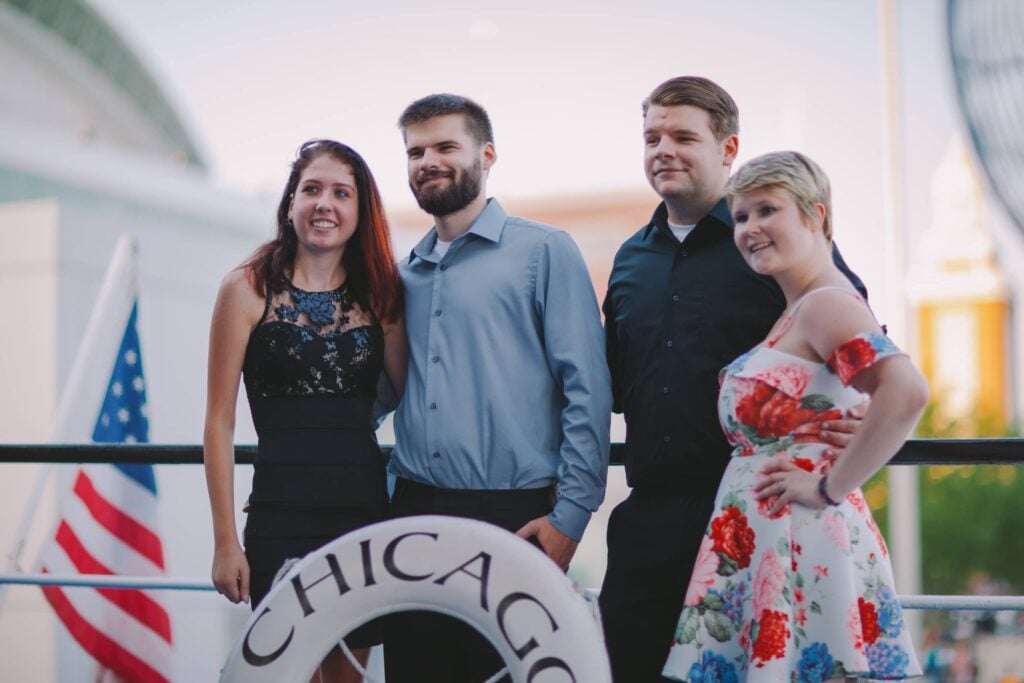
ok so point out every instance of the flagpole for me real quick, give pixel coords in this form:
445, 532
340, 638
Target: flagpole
100, 340
904, 494
78, 406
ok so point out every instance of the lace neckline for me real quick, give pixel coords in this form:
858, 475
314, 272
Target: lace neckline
295, 288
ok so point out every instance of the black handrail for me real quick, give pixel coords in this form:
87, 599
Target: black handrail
914, 452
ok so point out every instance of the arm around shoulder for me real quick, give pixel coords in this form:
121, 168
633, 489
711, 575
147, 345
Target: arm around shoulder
396, 354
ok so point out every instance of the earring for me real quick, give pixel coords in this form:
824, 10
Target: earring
288, 224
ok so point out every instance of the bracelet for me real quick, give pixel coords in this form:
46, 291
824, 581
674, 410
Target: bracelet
823, 494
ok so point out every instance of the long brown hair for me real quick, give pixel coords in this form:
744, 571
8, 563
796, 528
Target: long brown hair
371, 273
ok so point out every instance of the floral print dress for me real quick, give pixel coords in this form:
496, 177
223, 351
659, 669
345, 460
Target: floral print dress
805, 595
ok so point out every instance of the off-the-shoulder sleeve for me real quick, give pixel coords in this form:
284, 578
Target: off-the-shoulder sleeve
861, 352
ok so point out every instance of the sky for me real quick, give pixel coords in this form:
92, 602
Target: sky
563, 83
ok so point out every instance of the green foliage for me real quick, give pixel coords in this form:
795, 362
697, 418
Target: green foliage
971, 516
971, 522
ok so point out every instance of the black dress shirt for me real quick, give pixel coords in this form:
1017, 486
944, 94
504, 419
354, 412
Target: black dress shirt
675, 314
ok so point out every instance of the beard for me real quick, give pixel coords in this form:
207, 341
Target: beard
444, 201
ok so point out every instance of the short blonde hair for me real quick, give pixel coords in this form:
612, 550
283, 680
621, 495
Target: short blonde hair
790, 171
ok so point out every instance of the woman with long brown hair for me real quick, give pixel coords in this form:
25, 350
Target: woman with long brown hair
309, 321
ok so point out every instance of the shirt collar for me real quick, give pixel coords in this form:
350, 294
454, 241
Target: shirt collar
719, 213
488, 225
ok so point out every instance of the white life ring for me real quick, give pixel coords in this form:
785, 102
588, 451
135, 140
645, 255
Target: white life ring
499, 584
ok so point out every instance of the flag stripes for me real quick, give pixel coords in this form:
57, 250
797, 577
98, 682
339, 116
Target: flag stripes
106, 651
119, 523
108, 526
136, 603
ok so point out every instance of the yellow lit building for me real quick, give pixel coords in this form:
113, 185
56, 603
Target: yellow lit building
960, 300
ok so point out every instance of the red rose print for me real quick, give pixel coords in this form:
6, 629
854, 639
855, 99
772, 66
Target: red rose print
852, 357
792, 379
771, 637
765, 505
771, 412
878, 536
732, 536
868, 620
804, 464
748, 409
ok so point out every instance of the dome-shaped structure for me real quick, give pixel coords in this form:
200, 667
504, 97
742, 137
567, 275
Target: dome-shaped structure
68, 72
987, 49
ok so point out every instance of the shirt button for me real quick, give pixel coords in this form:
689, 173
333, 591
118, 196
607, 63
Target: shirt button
667, 438
437, 313
436, 454
664, 390
683, 252
444, 266
435, 359
433, 406
668, 344
675, 297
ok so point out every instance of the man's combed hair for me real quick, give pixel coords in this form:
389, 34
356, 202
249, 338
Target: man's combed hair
793, 172
478, 123
703, 93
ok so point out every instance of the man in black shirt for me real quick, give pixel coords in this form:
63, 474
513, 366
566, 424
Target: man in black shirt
681, 304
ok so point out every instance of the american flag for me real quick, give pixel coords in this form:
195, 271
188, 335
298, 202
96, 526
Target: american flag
108, 525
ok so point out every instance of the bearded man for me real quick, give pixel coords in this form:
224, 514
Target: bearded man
506, 411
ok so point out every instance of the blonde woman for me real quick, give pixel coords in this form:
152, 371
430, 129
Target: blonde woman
793, 580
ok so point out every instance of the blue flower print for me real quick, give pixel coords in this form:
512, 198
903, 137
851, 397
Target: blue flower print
733, 599
713, 668
890, 614
319, 306
815, 664
286, 312
885, 660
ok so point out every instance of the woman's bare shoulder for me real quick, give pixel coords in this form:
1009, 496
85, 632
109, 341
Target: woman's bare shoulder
238, 294
834, 316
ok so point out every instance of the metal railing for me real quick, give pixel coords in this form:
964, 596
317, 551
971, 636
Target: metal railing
949, 452
914, 452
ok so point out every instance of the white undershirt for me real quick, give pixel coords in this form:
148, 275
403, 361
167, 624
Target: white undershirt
680, 231
441, 247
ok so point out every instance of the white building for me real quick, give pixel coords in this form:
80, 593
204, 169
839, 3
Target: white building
92, 147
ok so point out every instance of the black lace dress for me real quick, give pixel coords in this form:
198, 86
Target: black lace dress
311, 369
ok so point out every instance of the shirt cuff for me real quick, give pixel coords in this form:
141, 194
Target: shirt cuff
569, 518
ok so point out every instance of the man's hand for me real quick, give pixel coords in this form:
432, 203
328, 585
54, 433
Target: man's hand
559, 547
839, 432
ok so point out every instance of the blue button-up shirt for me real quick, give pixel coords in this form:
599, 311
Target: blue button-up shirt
508, 386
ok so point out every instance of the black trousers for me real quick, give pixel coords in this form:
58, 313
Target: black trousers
427, 646
653, 538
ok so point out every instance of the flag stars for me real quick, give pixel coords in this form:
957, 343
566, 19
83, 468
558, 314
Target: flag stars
130, 357
123, 416
116, 389
138, 384
130, 438
105, 420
